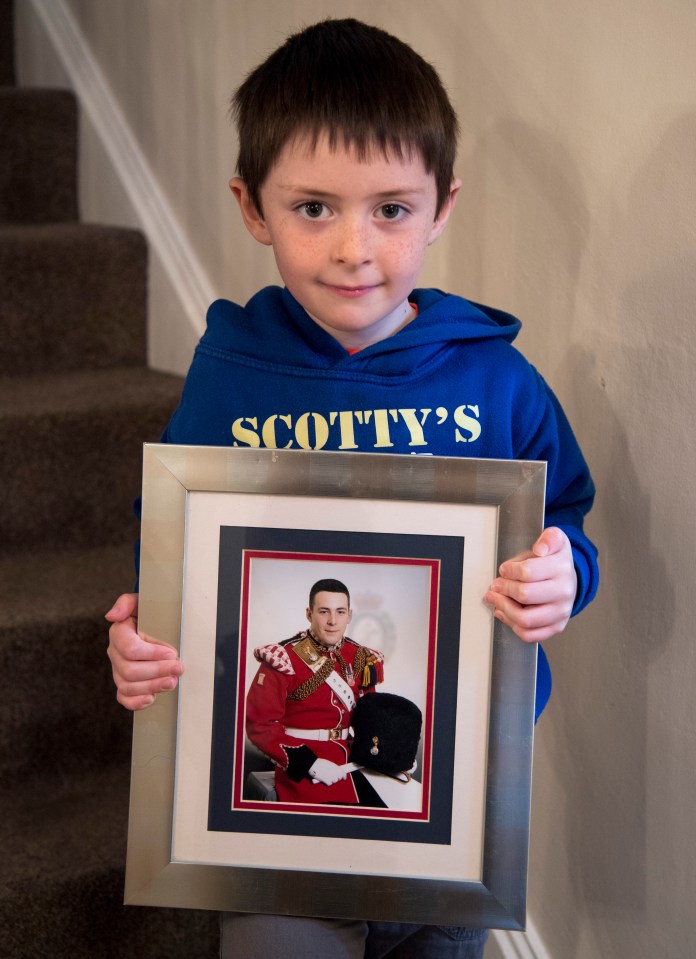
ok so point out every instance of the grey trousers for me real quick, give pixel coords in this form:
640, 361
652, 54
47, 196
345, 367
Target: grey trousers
246, 936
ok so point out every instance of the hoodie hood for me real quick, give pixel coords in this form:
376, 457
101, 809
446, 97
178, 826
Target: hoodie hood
274, 328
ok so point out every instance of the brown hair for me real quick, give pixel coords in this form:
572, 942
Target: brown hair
356, 84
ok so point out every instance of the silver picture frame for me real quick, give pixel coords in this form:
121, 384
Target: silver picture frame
173, 857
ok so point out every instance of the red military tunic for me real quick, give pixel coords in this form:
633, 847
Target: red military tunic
287, 693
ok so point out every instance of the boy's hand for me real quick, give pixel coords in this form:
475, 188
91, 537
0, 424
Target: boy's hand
535, 591
141, 667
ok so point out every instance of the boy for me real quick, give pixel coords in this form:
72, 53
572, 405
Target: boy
347, 146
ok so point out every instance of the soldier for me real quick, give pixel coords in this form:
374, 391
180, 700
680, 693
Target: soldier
300, 702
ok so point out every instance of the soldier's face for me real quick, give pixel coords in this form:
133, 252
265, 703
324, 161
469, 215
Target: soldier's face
329, 617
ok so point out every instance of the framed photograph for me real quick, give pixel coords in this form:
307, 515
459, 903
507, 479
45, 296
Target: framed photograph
401, 549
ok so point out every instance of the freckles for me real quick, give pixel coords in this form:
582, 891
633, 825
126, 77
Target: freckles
301, 244
403, 246
408, 253
312, 245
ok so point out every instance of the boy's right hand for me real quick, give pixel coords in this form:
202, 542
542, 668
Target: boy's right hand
141, 667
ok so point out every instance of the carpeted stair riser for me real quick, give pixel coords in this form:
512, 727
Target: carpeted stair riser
52, 637
74, 297
38, 155
72, 454
72, 730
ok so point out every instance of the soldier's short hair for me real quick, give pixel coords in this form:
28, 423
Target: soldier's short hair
328, 586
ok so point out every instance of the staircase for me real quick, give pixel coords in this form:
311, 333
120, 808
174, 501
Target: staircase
76, 403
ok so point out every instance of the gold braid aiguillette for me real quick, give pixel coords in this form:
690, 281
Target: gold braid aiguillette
310, 685
362, 656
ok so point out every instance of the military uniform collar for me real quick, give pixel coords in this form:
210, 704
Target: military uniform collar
320, 647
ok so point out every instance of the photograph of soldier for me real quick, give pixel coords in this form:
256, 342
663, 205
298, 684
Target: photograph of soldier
300, 703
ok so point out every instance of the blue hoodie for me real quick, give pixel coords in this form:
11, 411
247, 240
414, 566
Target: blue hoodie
448, 384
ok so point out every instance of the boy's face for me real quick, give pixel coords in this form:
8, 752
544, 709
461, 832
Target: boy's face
349, 237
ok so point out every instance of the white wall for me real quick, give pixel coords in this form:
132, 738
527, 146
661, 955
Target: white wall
578, 213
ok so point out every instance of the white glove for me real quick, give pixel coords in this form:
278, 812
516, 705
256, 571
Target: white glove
324, 771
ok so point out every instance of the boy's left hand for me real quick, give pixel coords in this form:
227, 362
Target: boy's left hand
535, 591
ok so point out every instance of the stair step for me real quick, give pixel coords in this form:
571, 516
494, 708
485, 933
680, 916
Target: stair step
59, 706
74, 297
72, 453
61, 893
38, 155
